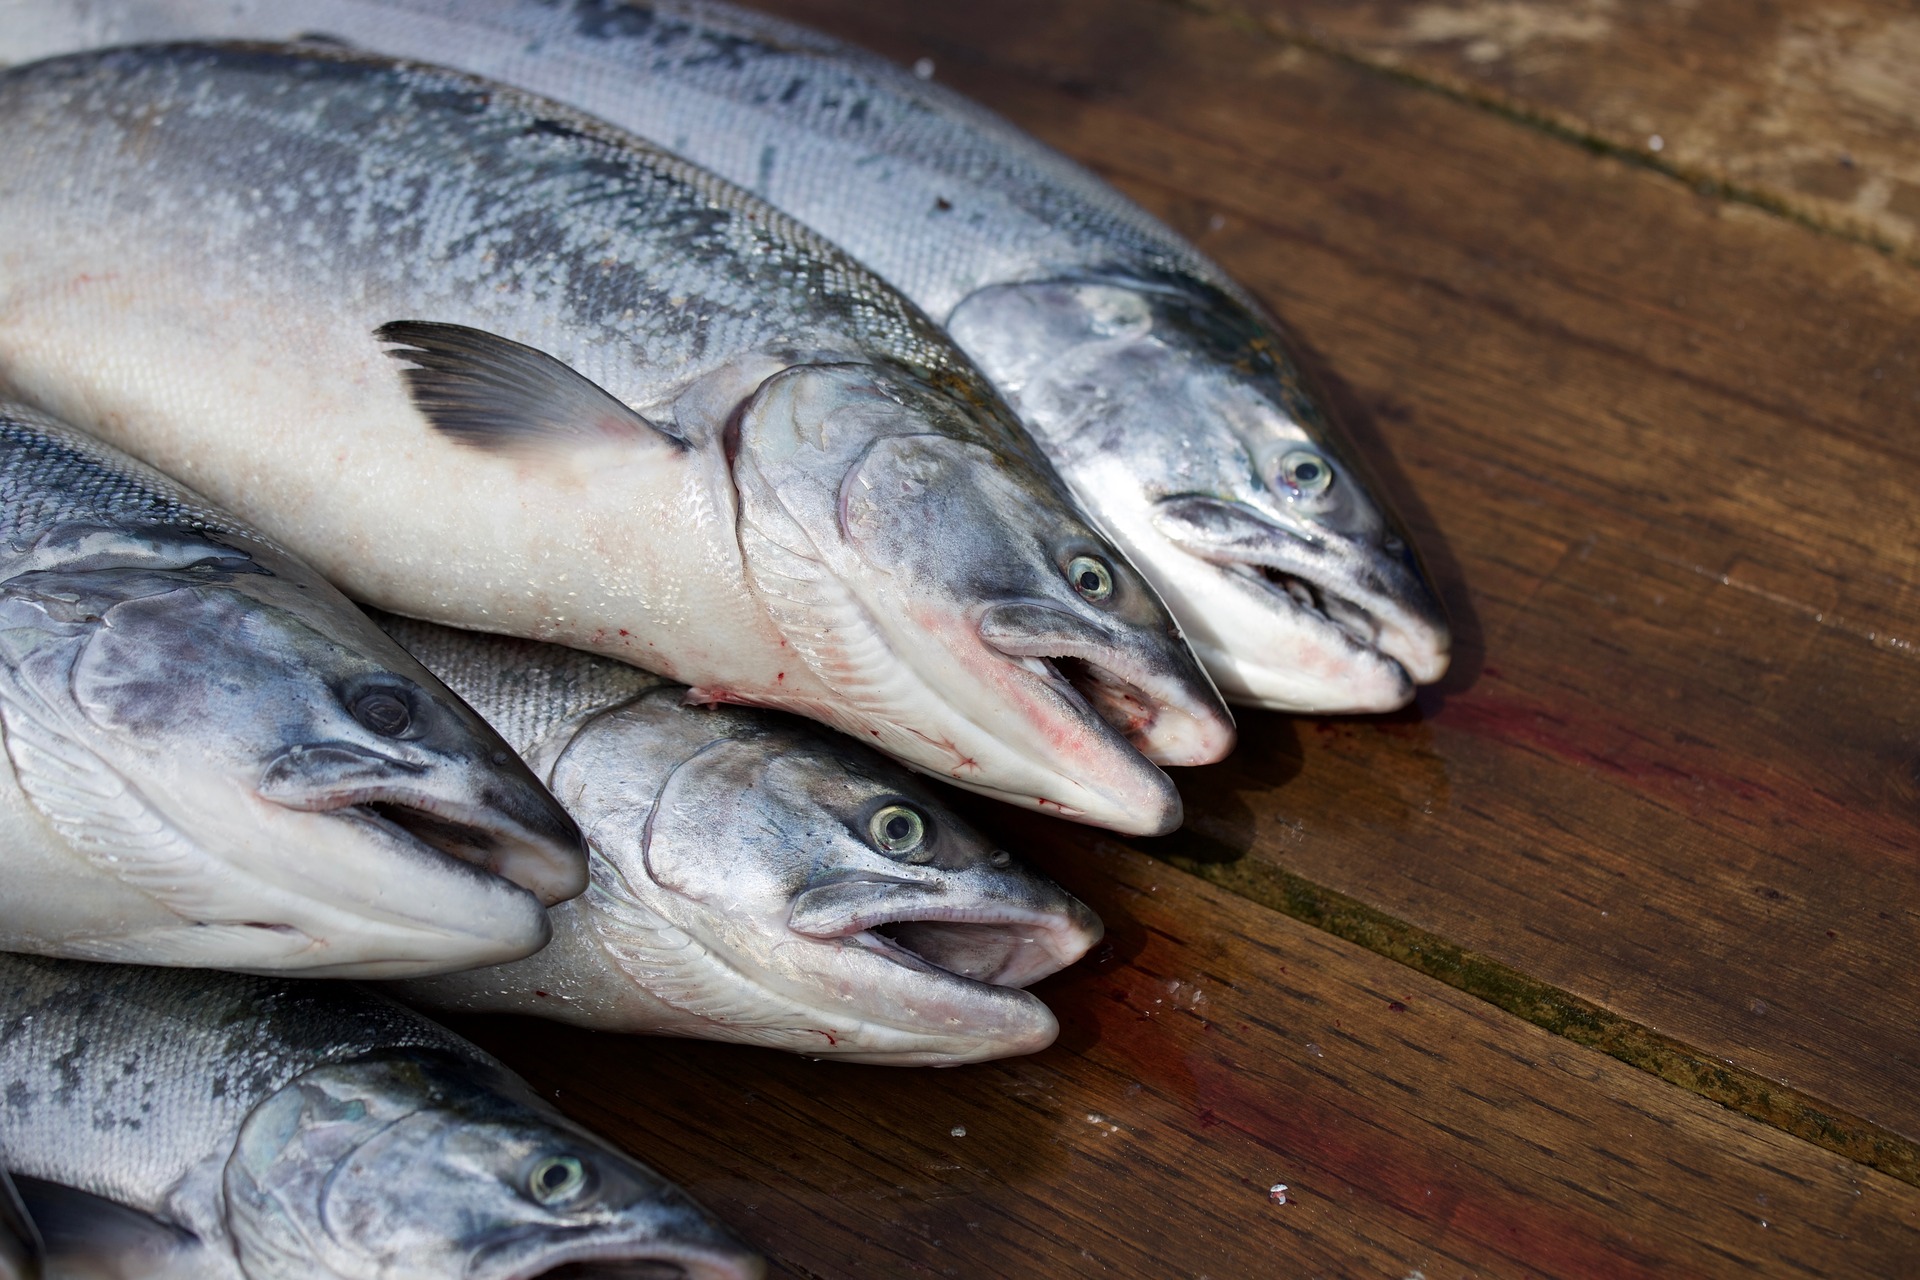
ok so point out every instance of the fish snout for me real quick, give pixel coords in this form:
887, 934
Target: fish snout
490, 813
1149, 689
1344, 604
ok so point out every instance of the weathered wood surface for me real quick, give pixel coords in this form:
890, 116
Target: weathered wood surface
1662, 451
1810, 106
1214, 1050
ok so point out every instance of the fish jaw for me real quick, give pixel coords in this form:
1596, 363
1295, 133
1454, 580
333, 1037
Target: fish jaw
876, 526
469, 815
1168, 716
1174, 413
966, 926
1357, 634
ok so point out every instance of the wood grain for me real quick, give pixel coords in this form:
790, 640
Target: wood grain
1660, 449
1810, 106
1212, 1051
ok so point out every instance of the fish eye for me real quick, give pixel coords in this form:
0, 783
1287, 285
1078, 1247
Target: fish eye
1090, 577
1305, 472
556, 1179
898, 829
384, 712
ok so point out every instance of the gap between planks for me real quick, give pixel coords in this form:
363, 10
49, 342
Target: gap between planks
1545, 1006
1541, 120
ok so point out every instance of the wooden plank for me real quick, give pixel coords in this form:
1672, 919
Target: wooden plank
1809, 106
1214, 1050
1661, 448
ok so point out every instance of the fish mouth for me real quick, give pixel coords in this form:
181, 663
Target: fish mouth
668, 1263
986, 944
1163, 705
519, 834
1353, 597
473, 835
554, 1257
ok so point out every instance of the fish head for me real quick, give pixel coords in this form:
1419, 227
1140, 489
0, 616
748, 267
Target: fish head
413, 1164
299, 752
1176, 414
949, 590
839, 909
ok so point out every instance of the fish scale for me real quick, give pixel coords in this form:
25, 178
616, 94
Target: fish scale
120, 1080
528, 691
53, 476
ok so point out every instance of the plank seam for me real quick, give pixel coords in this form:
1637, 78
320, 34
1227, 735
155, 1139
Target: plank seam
1700, 181
1559, 1012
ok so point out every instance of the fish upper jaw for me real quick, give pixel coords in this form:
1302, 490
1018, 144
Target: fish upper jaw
1299, 620
490, 819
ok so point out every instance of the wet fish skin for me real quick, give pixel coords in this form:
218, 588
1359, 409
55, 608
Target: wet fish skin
1151, 379
739, 892
309, 1130
331, 242
191, 776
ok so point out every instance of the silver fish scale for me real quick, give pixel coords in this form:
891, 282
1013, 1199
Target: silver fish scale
973, 200
51, 474
525, 689
640, 270
119, 1080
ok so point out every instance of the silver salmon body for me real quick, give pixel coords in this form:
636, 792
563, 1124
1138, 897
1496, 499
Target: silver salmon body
1162, 392
226, 1127
213, 758
488, 361
753, 878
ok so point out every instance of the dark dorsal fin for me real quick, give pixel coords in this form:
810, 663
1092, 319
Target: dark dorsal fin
500, 395
22, 1256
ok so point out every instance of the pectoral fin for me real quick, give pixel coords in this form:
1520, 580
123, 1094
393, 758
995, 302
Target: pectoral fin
502, 396
22, 1254
88, 1237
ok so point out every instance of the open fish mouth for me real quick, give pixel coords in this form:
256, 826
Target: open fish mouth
1356, 596
550, 1256
1314, 600
1170, 717
482, 836
995, 946
616, 1262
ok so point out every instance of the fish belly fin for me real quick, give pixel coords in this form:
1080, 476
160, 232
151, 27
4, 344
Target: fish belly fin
22, 1252
90, 1237
106, 820
503, 396
833, 633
